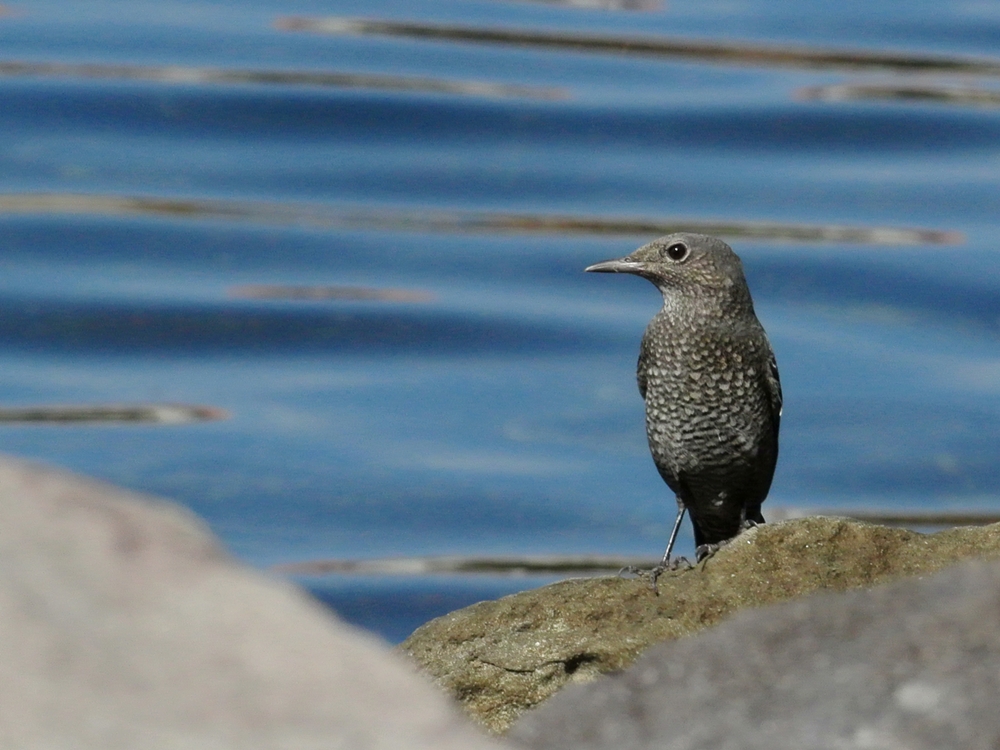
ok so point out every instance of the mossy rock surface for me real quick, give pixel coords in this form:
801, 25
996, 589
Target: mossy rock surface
500, 658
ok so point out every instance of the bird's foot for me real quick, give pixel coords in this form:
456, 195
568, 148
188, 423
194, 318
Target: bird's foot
654, 576
680, 563
704, 551
676, 563
630, 570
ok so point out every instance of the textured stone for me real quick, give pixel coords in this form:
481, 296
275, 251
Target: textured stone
124, 625
502, 657
913, 665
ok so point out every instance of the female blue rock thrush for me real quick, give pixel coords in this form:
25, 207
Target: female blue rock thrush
710, 383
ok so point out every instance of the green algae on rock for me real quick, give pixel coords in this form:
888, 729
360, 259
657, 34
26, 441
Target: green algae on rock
500, 658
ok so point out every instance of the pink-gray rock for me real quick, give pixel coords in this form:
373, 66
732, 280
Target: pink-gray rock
914, 665
124, 625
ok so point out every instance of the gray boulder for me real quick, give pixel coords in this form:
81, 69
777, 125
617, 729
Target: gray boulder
124, 625
914, 665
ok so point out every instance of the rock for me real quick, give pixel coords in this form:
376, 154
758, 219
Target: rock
503, 657
914, 665
124, 625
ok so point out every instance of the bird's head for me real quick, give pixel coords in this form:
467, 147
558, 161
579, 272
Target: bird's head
684, 264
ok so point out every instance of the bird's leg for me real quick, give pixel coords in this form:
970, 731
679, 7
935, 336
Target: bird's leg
666, 563
681, 509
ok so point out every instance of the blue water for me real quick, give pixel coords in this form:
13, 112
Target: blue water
493, 410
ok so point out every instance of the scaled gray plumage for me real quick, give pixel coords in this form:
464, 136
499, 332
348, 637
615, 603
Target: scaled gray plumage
710, 383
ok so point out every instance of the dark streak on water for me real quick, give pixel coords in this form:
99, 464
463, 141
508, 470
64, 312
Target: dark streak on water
961, 95
178, 75
719, 52
76, 414
314, 216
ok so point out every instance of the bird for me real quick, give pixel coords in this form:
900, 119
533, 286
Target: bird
709, 379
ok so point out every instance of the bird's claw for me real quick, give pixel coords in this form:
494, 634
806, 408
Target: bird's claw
680, 563
629, 570
676, 563
654, 575
705, 551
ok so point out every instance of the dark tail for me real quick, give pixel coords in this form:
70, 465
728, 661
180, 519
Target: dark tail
713, 529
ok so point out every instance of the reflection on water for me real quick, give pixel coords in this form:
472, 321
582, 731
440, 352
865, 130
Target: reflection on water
313, 293
906, 92
732, 53
641, 5
458, 221
179, 74
116, 413
581, 565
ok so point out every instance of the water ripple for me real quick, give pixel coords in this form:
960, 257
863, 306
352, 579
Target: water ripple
908, 92
732, 53
456, 220
120, 328
180, 74
165, 414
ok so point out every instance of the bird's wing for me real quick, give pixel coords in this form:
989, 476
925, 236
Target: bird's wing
640, 371
773, 383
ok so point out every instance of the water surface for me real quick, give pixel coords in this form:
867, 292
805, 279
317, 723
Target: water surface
365, 247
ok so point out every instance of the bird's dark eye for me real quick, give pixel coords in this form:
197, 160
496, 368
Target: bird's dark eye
677, 251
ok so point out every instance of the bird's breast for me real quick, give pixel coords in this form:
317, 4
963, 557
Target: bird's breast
705, 395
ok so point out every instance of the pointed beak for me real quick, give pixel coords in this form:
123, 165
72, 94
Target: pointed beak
621, 265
